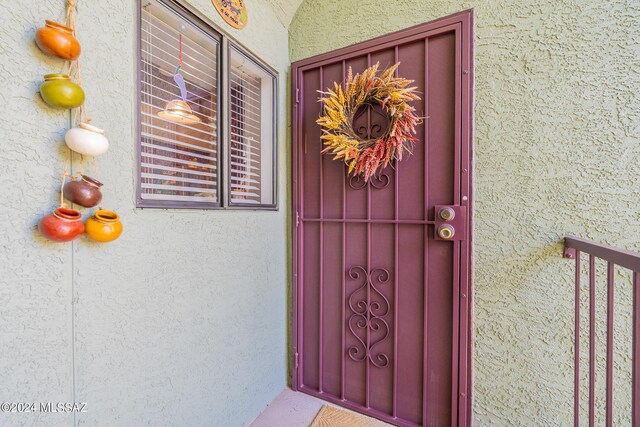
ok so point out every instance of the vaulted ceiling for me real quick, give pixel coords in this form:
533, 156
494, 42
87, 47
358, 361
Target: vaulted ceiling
285, 9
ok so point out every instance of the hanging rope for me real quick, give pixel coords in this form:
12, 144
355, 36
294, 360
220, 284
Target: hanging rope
65, 174
78, 113
70, 21
71, 16
179, 67
96, 169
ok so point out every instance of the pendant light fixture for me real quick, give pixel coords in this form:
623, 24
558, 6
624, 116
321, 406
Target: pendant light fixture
177, 110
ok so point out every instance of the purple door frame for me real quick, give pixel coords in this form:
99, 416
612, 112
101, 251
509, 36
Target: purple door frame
317, 221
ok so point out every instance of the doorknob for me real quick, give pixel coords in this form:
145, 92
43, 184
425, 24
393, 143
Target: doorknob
446, 232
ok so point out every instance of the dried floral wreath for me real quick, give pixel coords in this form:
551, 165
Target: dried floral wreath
366, 156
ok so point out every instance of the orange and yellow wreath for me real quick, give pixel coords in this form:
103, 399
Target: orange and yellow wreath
361, 155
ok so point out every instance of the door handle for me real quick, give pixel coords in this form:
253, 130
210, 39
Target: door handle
446, 232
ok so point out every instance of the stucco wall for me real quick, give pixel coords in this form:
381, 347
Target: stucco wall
556, 152
179, 322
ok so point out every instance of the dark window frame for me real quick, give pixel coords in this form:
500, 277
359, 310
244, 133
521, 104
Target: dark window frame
223, 64
227, 170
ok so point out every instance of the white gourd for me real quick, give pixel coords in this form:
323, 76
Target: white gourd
87, 139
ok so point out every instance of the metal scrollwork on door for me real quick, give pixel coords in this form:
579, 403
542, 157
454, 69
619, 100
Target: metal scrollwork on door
370, 122
368, 322
378, 181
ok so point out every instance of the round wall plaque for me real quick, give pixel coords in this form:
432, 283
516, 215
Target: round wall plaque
234, 12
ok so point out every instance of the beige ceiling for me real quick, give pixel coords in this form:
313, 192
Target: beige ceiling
285, 9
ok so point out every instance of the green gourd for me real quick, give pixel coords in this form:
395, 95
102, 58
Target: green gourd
60, 92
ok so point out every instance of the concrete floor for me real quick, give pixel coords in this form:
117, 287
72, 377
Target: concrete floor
290, 409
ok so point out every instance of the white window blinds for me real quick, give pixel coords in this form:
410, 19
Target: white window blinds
178, 162
251, 132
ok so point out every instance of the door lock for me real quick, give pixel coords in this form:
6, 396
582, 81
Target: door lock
450, 222
446, 232
447, 214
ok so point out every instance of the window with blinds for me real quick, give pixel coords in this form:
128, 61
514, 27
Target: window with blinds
251, 132
179, 162
184, 162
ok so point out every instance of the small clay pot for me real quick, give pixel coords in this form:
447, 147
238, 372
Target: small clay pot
87, 139
63, 225
57, 40
60, 92
104, 226
84, 191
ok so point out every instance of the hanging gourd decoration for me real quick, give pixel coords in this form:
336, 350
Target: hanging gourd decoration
57, 40
178, 110
104, 226
60, 92
63, 225
87, 139
84, 191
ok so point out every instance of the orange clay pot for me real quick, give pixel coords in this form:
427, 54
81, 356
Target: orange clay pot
104, 226
63, 225
57, 40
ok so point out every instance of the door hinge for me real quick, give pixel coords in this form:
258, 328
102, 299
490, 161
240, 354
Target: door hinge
297, 219
297, 95
296, 360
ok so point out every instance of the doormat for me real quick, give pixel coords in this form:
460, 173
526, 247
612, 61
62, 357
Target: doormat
330, 416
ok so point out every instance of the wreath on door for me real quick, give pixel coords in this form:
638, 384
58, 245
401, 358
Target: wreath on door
366, 155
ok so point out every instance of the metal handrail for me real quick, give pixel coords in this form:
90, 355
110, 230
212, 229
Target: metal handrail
573, 248
621, 257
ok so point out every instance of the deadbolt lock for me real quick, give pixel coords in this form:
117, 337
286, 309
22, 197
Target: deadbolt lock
447, 214
446, 232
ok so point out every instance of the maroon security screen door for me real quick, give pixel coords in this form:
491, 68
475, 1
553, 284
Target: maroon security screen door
382, 302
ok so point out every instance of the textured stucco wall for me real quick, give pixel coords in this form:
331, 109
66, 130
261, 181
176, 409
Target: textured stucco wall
179, 322
557, 152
